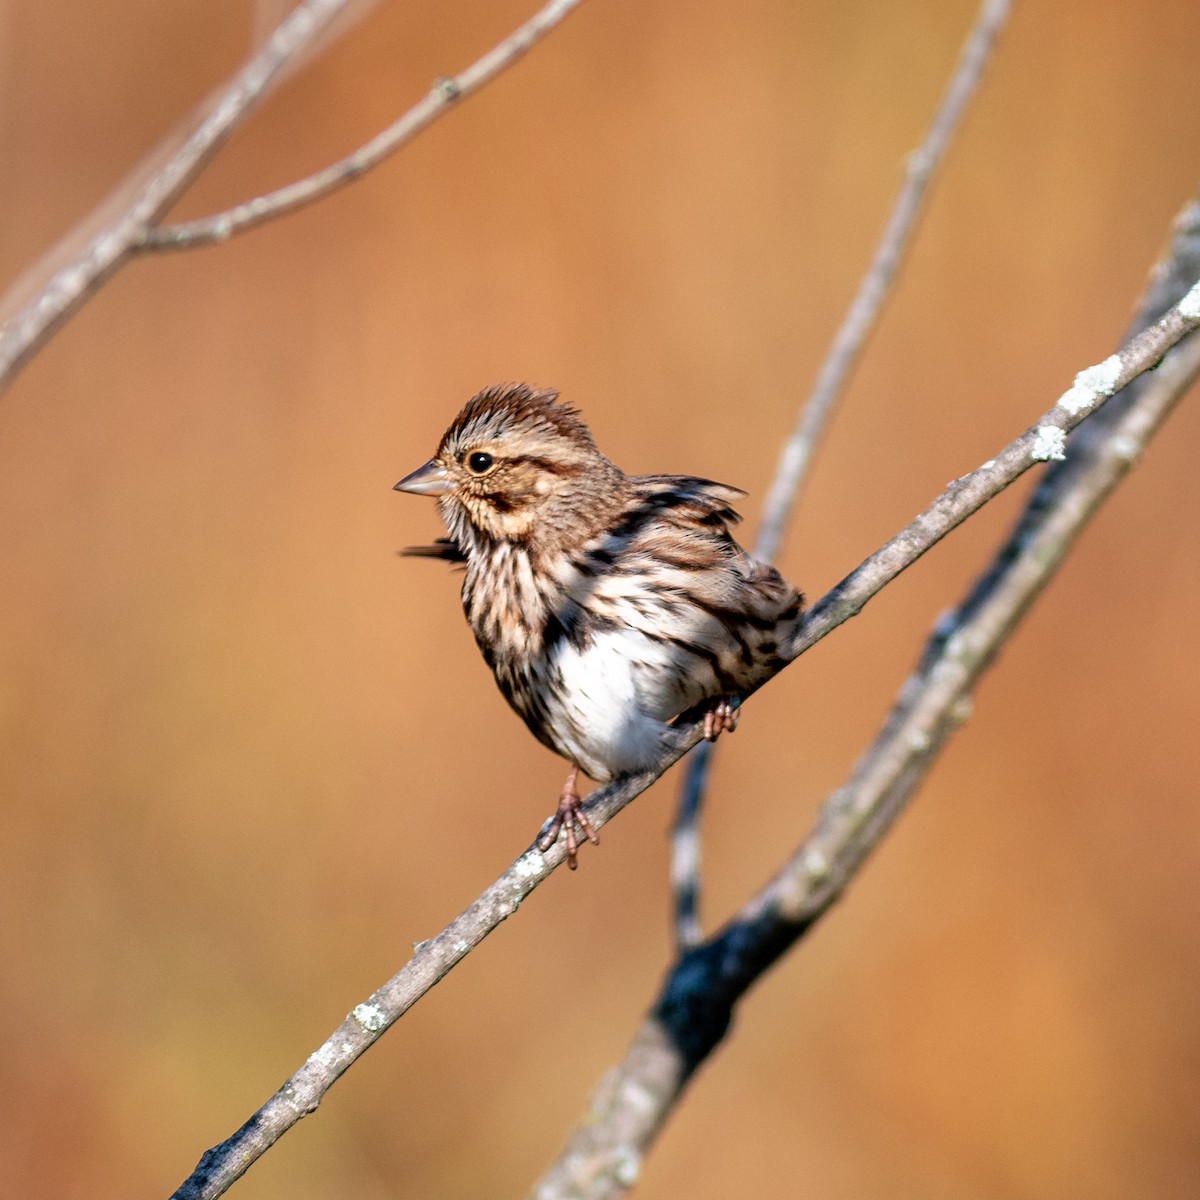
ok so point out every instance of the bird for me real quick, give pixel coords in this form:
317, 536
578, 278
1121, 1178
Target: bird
608, 606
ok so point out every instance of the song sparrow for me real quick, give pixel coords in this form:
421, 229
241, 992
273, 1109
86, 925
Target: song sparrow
605, 604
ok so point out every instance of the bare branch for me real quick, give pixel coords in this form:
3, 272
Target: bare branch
433, 959
695, 1006
121, 221
863, 314
844, 352
445, 93
125, 223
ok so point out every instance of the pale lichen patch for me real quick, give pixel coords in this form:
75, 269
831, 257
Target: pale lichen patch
1189, 306
1103, 377
1091, 384
636, 1096
627, 1166
918, 741
530, 865
1048, 444
1125, 448
370, 1016
816, 863
323, 1056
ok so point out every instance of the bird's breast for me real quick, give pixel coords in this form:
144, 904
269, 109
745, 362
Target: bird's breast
611, 699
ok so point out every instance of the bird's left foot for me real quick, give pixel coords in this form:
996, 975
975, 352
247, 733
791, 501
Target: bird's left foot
720, 717
571, 815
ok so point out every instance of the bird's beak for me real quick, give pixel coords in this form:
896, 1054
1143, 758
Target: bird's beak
429, 480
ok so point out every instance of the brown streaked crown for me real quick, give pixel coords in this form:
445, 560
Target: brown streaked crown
504, 407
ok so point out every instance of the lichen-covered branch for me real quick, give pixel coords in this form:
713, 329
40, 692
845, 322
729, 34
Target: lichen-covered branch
848, 344
433, 959
696, 1003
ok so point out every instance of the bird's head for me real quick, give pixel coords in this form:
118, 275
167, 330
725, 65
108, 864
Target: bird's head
514, 465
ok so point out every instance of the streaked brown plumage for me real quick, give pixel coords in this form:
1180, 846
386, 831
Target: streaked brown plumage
606, 604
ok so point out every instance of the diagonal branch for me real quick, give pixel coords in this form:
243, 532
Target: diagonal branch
433, 959
693, 1010
843, 355
445, 93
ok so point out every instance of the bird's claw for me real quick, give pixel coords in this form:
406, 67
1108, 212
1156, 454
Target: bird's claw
570, 815
720, 718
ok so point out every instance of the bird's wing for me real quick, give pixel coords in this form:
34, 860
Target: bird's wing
688, 497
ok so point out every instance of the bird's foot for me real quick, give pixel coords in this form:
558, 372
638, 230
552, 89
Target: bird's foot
569, 814
720, 717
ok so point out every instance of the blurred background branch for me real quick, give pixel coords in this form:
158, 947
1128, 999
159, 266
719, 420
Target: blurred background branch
128, 221
52, 290
834, 374
445, 92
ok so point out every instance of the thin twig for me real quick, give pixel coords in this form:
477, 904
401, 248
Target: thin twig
848, 344
445, 93
433, 959
150, 191
695, 1006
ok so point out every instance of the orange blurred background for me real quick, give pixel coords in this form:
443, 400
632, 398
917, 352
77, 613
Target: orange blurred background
249, 755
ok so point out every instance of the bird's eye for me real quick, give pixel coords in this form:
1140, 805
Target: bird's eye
479, 462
